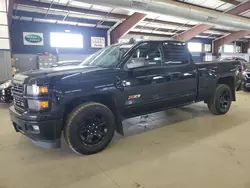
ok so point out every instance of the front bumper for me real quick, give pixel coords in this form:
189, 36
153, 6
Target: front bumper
49, 133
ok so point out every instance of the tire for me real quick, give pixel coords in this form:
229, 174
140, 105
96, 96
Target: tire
215, 105
245, 88
82, 115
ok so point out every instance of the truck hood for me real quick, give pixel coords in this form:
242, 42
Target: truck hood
34, 76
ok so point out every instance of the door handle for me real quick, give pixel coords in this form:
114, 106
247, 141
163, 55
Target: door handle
165, 74
175, 75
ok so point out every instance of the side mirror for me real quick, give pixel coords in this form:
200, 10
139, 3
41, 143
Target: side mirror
136, 63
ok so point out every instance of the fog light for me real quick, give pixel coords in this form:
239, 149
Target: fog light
35, 127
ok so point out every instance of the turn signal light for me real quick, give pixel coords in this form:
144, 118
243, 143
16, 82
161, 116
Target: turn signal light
43, 90
44, 104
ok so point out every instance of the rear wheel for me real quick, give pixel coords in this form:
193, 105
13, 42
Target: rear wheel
89, 128
221, 101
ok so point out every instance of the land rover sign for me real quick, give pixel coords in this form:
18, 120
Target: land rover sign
34, 39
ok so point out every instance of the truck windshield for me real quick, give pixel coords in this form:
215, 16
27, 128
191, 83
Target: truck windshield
107, 57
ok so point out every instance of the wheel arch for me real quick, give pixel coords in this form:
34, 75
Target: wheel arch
106, 99
230, 81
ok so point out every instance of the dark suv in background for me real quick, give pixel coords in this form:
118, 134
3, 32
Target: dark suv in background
242, 75
246, 80
5, 91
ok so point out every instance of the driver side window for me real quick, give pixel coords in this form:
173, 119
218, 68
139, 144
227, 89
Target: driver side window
145, 55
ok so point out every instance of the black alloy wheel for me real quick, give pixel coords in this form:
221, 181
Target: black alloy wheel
93, 129
221, 100
89, 128
225, 99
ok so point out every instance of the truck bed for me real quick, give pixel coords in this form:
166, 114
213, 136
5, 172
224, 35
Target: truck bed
210, 71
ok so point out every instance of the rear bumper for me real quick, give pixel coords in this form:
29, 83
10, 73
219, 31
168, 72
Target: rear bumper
44, 133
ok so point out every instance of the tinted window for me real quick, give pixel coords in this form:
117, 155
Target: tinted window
175, 53
149, 52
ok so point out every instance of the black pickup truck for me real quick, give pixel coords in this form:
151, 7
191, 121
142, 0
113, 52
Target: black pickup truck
87, 103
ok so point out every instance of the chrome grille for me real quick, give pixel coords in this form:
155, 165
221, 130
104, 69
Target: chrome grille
18, 90
19, 102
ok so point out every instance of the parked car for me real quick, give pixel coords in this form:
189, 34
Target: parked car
87, 103
240, 76
5, 91
246, 80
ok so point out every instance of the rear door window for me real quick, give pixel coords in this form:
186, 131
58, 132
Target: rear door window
149, 52
175, 53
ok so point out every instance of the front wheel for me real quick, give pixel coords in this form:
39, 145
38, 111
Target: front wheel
221, 101
89, 128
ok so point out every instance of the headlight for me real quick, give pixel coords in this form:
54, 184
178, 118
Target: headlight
37, 90
38, 105
5, 84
